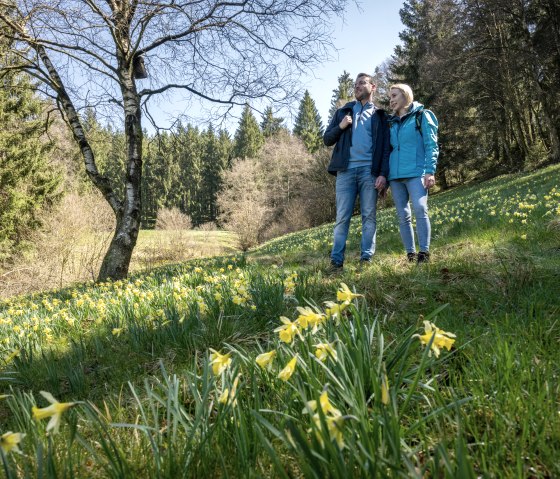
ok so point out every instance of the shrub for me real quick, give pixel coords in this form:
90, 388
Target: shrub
172, 219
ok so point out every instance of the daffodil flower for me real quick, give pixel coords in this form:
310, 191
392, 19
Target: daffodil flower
228, 396
384, 388
265, 359
335, 427
54, 411
288, 330
325, 404
287, 372
10, 440
307, 317
324, 350
220, 362
442, 339
333, 418
334, 310
10, 357
344, 294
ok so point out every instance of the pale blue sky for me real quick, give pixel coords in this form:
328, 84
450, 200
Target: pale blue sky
365, 40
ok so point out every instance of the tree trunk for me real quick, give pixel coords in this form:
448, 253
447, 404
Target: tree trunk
117, 259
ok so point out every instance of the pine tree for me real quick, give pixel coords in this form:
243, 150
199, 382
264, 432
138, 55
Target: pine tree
270, 124
342, 94
308, 125
249, 138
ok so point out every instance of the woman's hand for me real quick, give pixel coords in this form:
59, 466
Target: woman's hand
429, 181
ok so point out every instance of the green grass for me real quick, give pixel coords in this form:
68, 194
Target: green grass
160, 247
135, 356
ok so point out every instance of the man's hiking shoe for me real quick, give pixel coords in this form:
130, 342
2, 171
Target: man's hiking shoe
335, 268
411, 257
423, 257
364, 263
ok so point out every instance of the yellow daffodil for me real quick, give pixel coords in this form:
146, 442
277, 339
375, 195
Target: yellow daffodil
333, 418
344, 294
10, 440
325, 404
384, 388
54, 411
324, 350
335, 425
309, 318
287, 372
334, 310
10, 357
219, 362
287, 331
228, 396
442, 339
264, 360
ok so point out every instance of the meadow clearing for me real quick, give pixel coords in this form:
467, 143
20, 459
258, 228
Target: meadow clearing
262, 365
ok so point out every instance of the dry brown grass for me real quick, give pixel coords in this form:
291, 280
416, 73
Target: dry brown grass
71, 246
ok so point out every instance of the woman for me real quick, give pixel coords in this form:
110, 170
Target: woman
412, 166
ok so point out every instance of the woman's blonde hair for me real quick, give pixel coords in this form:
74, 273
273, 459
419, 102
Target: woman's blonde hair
407, 91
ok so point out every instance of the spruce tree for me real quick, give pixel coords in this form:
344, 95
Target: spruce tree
214, 161
270, 124
249, 138
308, 125
189, 148
28, 180
342, 94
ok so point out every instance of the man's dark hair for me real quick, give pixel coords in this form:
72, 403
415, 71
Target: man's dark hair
368, 76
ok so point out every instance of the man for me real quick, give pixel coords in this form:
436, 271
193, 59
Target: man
360, 161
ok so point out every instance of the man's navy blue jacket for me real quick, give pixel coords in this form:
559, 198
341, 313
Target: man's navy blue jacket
342, 139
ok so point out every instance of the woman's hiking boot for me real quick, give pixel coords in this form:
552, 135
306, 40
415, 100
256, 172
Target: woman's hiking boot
423, 257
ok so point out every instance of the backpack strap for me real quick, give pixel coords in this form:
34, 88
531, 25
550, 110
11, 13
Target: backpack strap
418, 118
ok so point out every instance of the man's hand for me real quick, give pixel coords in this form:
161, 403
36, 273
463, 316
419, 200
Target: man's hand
380, 183
429, 181
347, 120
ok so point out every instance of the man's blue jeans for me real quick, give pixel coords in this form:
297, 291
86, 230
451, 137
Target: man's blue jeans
413, 189
350, 184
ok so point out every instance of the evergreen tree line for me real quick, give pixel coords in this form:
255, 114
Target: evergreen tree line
184, 168
490, 69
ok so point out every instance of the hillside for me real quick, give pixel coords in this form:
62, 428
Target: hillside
162, 375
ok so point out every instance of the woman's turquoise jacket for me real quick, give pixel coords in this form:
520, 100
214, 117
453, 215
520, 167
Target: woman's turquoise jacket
414, 153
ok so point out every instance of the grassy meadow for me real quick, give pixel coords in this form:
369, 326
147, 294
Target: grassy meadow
263, 365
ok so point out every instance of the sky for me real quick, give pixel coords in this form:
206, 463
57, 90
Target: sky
377, 19
364, 38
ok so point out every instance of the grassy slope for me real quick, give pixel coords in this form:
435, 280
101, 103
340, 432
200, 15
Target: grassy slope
496, 263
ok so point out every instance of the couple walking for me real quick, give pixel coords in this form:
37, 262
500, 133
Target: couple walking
374, 150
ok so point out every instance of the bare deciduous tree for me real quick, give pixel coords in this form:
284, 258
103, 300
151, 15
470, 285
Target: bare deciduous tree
92, 52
